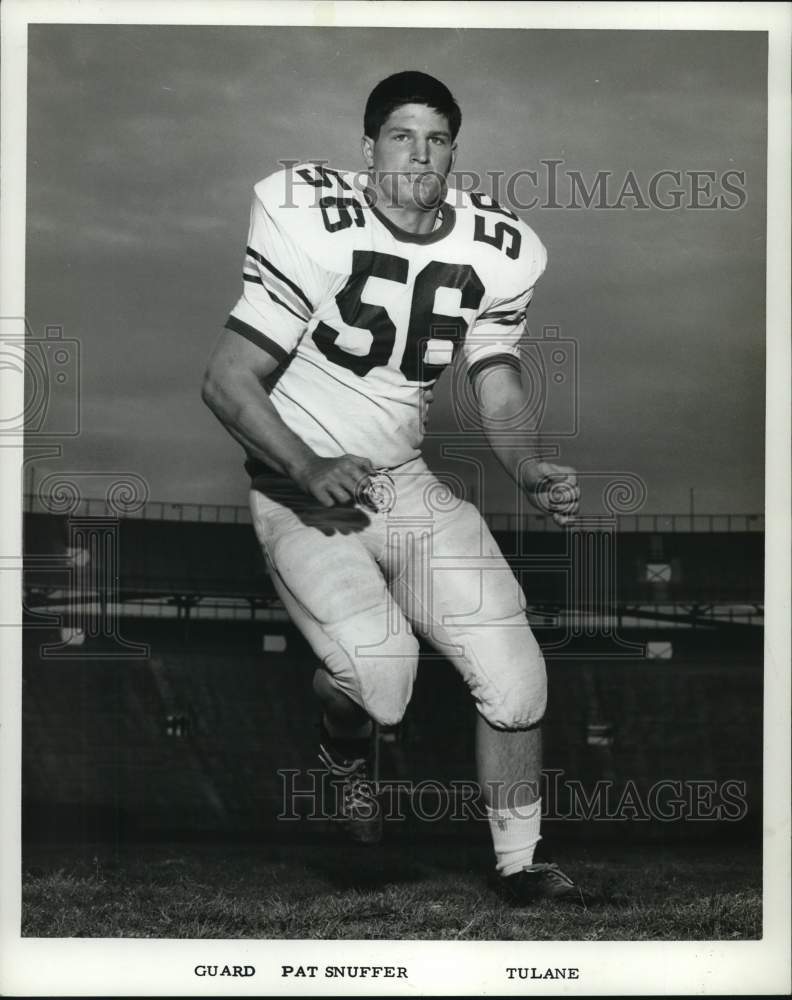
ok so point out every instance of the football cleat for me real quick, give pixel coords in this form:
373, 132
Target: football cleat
361, 814
538, 882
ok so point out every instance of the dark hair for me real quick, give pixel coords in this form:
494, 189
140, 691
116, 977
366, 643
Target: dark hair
409, 87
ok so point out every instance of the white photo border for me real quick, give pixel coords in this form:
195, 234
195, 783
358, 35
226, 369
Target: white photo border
32, 967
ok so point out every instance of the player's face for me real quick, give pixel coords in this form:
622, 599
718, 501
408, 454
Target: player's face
411, 157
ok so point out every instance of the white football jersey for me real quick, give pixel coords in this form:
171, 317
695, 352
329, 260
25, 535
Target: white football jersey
364, 316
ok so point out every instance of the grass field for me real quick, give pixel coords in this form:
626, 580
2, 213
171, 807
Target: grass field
428, 892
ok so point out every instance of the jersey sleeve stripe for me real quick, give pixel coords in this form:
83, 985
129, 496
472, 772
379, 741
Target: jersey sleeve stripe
516, 311
511, 319
497, 314
258, 338
279, 291
493, 359
256, 279
280, 276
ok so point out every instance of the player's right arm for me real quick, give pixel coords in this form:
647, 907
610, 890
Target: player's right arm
280, 288
234, 389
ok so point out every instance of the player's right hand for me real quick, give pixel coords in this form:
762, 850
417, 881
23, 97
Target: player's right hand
334, 480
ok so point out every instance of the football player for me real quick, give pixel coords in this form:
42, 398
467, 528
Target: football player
358, 292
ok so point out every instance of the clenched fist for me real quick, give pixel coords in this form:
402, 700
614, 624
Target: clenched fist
334, 480
552, 489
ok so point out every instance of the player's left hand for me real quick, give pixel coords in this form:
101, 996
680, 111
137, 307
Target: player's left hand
552, 489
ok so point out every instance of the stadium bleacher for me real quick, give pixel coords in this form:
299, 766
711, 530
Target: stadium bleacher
191, 736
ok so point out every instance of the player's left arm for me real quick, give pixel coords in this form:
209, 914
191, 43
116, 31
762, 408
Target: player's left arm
513, 433
491, 353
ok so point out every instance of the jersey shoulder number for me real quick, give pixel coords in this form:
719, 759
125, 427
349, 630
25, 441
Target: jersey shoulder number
320, 209
507, 252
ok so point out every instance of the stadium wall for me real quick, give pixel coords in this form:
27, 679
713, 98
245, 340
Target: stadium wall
196, 558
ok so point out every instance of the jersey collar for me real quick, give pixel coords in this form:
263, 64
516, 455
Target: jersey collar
447, 223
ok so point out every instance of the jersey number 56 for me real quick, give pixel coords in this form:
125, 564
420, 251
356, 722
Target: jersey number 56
424, 324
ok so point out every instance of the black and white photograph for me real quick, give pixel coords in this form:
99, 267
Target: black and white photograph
395, 508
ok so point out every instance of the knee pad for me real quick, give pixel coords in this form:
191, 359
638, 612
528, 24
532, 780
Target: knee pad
339, 600
505, 670
374, 661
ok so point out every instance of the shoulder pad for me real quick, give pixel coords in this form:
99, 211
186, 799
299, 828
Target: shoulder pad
509, 255
320, 209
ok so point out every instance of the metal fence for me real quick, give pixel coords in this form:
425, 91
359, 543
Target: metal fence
153, 510
161, 510
653, 523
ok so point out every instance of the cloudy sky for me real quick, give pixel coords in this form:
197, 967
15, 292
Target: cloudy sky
144, 144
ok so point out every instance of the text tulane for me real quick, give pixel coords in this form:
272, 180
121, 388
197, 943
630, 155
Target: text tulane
533, 972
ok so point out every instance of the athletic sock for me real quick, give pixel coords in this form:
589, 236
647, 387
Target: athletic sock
352, 745
515, 834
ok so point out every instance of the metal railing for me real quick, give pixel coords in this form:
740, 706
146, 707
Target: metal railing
646, 615
152, 510
208, 513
